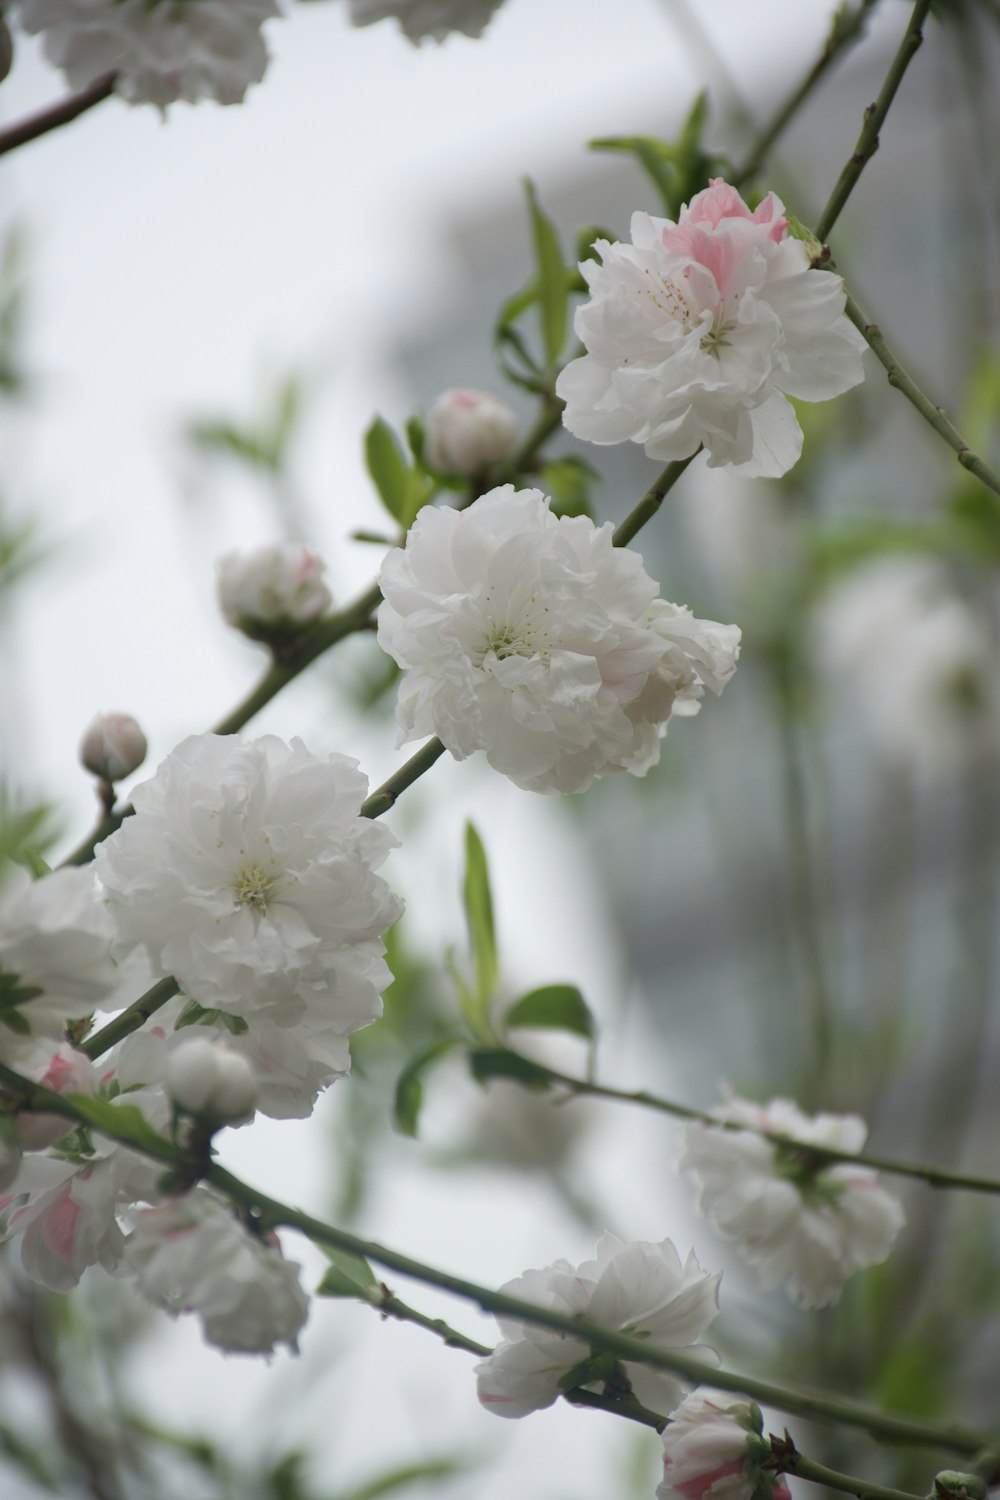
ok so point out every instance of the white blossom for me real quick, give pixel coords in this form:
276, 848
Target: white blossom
912, 663
712, 1450
641, 1289
248, 873
697, 331
191, 1254
804, 1224
203, 1077
272, 590
467, 431
56, 963
158, 50
533, 638
420, 19
113, 746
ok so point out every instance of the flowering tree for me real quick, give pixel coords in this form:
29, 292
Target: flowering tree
216, 947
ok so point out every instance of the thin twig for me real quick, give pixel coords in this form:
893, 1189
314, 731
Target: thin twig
56, 114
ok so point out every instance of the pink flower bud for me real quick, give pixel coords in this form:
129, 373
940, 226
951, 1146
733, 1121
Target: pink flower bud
64, 1070
114, 746
272, 591
204, 1078
468, 431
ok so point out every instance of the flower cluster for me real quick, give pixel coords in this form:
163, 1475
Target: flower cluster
641, 1289
533, 638
248, 874
805, 1225
696, 332
158, 50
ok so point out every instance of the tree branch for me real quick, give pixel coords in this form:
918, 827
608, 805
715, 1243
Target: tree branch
56, 114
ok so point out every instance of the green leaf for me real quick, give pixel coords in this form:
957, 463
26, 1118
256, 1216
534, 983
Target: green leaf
568, 481
557, 1007
410, 1090
478, 902
123, 1122
348, 1276
551, 278
194, 1014
495, 1062
388, 468
395, 1480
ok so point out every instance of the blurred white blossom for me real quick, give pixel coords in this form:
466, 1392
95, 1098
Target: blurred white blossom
203, 1077
191, 1254
712, 1448
640, 1288
697, 331
420, 19
467, 431
912, 663
55, 956
158, 50
805, 1225
272, 590
535, 639
248, 874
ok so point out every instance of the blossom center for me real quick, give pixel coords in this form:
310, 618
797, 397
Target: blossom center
253, 887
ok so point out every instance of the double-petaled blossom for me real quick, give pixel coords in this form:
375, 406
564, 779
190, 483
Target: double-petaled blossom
420, 19
533, 638
713, 1447
641, 1289
248, 874
158, 51
190, 1254
273, 591
805, 1224
696, 333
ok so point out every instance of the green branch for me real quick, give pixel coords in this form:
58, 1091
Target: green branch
934, 1177
385, 796
136, 1015
867, 142
846, 29
651, 500
269, 1213
935, 416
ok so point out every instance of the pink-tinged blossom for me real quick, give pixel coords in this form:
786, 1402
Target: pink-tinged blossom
533, 638
712, 1450
158, 50
641, 1289
272, 591
248, 873
420, 19
62, 1069
191, 1254
467, 431
805, 1225
696, 333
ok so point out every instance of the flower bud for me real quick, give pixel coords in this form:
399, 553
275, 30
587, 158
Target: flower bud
468, 431
952, 1484
10, 1152
272, 591
204, 1078
114, 746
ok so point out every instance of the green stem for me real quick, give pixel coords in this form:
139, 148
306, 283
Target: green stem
804, 1468
269, 1213
651, 500
933, 1176
55, 115
935, 416
137, 1014
846, 29
874, 118
384, 797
